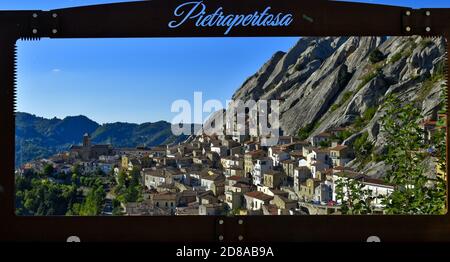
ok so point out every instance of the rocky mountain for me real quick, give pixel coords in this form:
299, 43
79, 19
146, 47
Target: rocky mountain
325, 83
38, 137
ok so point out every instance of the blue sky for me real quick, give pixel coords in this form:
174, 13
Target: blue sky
136, 80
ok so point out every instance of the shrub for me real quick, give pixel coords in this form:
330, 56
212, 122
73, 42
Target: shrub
376, 56
368, 77
397, 56
425, 43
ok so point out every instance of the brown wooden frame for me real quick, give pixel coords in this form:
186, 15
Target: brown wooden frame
149, 19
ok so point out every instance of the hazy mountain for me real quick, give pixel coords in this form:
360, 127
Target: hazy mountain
38, 137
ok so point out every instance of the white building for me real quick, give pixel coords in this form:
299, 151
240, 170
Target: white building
277, 155
259, 168
255, 200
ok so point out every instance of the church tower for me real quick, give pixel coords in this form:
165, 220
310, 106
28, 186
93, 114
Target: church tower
86, 140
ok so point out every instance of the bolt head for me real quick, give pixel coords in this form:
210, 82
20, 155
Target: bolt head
54, 31
54, 15
240, 222
220, 237
408, 29
375, 239
427, 13
35, 15
428, 29
35, 31
73, 239
408, 13
240, 238
221, 222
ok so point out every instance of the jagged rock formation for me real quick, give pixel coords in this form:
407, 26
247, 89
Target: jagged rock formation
331, 82
317, 73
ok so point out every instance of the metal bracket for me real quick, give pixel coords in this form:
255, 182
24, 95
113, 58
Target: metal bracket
417, 21
42, 24
230, 229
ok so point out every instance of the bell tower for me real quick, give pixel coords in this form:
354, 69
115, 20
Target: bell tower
86, 140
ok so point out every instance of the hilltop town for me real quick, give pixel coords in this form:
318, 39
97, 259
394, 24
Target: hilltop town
333, 93
221, 175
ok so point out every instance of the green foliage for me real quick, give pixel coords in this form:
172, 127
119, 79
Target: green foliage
369, 113
342, 135
304, 132
394, 58
429, 83
129, 188
368, 77
353, 198
406, 51
376, 56
92, 205
48, 170
345, 97
325, 143
117, 210
36, 195
426, 43
415, 192
439, 72
363, 120
76, 169
41, 197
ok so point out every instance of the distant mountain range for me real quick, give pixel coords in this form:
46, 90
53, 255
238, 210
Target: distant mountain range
38, 137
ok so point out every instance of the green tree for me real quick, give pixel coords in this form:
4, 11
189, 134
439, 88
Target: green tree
93, 203
76, 169
48, 170
415, 192
354, 199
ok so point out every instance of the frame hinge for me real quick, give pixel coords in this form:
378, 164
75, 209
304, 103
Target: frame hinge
417, 22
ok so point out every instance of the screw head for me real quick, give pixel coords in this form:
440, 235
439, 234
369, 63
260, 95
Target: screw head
54, 31
240, 221
373, 239
408, 29
240, 238
73, 239
35, 15
428, 29
220, 238
427, 13
54, 15
35, 31
221, 222
408, 13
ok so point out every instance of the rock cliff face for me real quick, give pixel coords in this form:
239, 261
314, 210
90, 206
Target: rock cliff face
331, 82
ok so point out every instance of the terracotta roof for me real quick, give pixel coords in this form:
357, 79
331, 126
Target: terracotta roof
271, 209
165, 196
338, 148
255, 152
325, 134
375, 181
235, 178
429, 122
259, 195
321, 150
